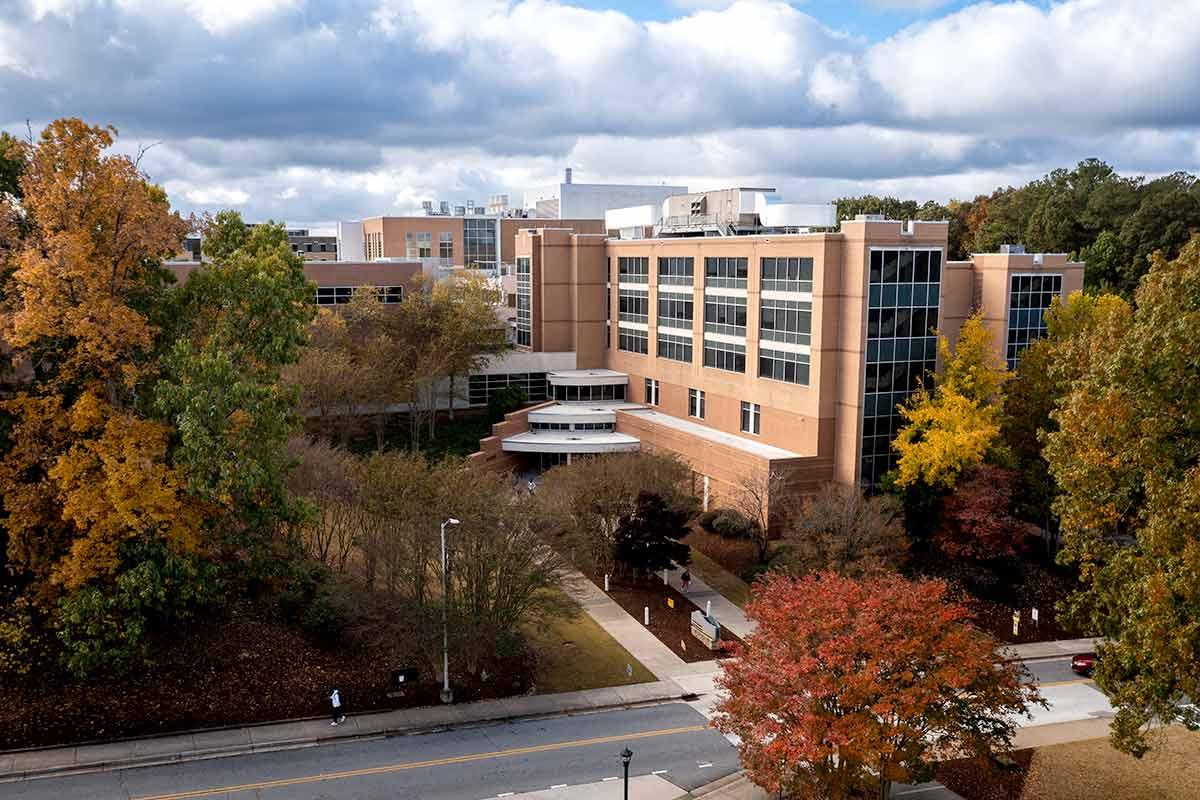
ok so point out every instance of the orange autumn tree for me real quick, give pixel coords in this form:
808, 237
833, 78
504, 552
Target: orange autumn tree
849, 685
87, 470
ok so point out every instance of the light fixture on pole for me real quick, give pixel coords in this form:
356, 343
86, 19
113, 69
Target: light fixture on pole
447, 695
626, 757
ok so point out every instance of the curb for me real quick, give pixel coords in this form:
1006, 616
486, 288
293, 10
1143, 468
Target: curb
718, 784
302, 743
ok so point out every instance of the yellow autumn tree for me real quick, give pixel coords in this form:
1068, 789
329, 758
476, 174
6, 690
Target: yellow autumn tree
950, 429
86, 470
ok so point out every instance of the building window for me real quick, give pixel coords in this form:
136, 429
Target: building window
479, 242
787, 274
651, 392
633, 269
410, 244
781, 365
675, 310
633, 305
724, 314
676, 348
480, 388
308, 247
786, 321
589, 394
322, 247
726, 272
751, 416
390, 295
632, 340
424, 244
1028, 298
446, 244
675, 271
696, 403
903, 293
524, 302
726, 356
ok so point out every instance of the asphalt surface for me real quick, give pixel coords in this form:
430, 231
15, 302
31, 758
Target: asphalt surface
465, 764
1048, 671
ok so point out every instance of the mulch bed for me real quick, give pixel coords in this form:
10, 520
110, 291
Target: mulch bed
984, 779
993, 597
249, 666
671, 626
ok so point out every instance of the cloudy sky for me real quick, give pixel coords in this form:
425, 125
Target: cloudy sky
317, 110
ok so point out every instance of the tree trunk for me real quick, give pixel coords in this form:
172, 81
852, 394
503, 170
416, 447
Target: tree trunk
452, 383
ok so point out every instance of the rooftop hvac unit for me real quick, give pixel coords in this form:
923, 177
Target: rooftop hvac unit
460, 211
445, 207
427, 205
1012, 249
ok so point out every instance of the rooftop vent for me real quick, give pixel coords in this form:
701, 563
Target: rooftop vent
870, 218
1012, 249
567, 175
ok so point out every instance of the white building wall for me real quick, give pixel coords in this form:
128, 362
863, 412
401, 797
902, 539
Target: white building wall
351, 245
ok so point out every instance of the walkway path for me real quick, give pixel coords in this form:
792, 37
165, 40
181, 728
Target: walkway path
726, 612
633, 636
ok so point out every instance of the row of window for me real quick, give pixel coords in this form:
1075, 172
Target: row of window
675, 310
632, 340
886, 323
571, 426
786, 321
906, 266
589, 394
725, 314
791, 274
524, 302
480, 388
340, 295
321, 248
724, 355
480, 235
902, 295
633, 305
783, 365
751, 416
676, 348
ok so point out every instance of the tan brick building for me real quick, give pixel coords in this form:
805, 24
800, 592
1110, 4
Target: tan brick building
750, 354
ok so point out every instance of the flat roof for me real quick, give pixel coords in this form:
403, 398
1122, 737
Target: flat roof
761, 449
579, 409
569, 442
588, 373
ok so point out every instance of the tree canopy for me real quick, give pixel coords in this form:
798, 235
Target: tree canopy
846, 686
1125, 455
950, 429
1115, 223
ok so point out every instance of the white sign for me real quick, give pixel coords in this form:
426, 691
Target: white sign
1035, 616
1016, 622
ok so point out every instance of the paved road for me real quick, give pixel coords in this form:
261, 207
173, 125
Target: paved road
468, 764
1052, 670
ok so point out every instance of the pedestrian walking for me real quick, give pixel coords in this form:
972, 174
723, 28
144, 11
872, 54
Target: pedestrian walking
685, 580
339, 713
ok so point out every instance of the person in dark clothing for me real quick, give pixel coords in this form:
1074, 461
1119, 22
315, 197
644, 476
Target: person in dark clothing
338, 710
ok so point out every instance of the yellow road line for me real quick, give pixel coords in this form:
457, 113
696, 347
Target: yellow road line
437, 762
1075, 682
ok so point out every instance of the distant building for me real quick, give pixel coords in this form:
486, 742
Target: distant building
570, 200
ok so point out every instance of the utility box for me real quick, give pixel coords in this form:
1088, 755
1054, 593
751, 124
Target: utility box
706, 629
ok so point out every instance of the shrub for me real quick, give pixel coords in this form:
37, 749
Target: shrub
322, 621
705, 520
731, 524
105, 627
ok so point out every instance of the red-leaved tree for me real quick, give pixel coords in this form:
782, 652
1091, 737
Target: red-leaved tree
977, 520
849, 685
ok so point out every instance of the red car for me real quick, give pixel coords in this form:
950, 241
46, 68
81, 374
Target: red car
1084, 664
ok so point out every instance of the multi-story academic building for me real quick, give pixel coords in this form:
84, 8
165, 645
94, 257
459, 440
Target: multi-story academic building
783, 352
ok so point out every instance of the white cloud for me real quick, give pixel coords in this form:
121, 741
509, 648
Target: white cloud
908, 5
1017, 66
216, 195
290, 193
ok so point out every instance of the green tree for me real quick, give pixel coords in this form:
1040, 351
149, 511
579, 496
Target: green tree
12, 164
1125, 457
648, 539
1107, 264
242, 318
223, 234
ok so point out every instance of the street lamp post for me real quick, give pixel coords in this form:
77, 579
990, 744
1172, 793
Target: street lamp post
447, 694
626, 757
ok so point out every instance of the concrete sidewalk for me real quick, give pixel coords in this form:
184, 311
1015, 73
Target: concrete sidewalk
739, 787
725, 611
302, 733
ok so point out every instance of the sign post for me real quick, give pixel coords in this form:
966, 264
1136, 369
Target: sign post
1016, 622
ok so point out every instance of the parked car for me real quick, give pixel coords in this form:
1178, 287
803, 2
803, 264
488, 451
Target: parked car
1083, 664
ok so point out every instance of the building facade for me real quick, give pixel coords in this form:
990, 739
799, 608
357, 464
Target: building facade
755, 354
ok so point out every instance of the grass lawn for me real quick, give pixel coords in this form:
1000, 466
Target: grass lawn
576, 653
1088, 769
733, 588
